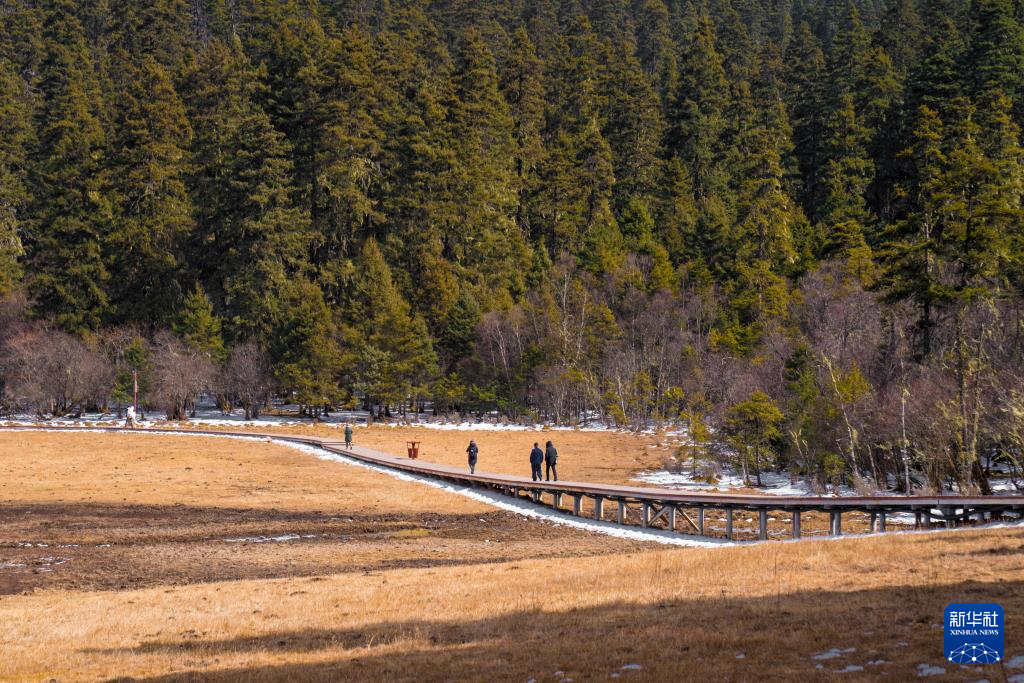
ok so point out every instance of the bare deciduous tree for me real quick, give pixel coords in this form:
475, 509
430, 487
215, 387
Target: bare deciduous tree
247, 377
52, 373
180, 375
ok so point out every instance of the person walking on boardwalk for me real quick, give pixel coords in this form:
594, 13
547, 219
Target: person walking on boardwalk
472, 451
536, 458
348, 436
551, 460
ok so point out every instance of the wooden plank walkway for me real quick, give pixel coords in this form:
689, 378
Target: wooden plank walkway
655, 507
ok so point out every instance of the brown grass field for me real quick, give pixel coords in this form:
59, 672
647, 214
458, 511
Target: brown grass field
130, 576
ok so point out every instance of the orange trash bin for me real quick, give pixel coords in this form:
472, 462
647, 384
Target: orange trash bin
414, 449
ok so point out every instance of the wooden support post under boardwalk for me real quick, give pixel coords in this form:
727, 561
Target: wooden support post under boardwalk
917, 519
871, 524
577, 504
832, 523
762, 524
621, 518
796, 524
881, 521
672, 518
728, 523
700, 521
646, 515
535, 495
557, 500
599, 507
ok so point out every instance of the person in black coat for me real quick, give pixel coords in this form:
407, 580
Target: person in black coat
551, 459
536, 458
472, 452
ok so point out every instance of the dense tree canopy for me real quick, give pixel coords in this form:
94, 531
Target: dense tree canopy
795, 225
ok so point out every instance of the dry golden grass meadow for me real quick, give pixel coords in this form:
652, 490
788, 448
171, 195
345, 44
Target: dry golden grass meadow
181, 558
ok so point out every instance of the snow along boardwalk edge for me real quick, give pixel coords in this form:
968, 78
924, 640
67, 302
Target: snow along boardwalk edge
455, 480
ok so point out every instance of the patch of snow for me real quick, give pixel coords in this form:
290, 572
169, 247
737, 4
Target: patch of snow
850, 668
924, 670
773, 483
1003, 486
630, 667
830, 654
268, 539
742, 655
878, 662
1015, 662
207, 414
1015, 678
983, 680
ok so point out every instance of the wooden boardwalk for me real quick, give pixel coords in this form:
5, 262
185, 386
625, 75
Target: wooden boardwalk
682, 511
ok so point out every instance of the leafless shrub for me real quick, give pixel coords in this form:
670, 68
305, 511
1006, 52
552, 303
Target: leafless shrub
180, 375
248, 378
52, 373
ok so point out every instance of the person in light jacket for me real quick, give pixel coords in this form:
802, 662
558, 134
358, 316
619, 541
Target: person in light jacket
551, 460
472, 451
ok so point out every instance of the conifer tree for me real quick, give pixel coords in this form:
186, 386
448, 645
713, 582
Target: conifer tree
346, 162
16, 132
304, 346
805, 99
391, 356
250, 235
995, 61
522, 85
696, 115
199, 327
72, 210
910, 270
485, 241
144, 249
634, 127
844, 216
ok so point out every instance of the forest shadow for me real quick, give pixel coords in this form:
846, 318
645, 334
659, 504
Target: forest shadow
771, 638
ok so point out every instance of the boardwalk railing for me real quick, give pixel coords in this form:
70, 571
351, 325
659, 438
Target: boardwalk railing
663, 508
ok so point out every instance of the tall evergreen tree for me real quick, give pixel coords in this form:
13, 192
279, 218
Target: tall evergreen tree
199, 327
696, 116
72, 210
16, 133
389, 356
144, 249
250, 236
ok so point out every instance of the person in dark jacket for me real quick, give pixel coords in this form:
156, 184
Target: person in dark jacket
551, 459
472, 452
348, 436
536, 458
